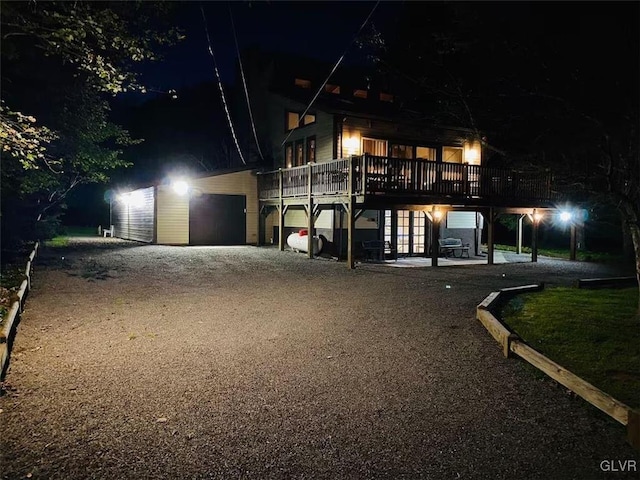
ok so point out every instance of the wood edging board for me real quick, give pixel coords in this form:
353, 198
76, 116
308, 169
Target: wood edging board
14, 314
607, 282
511, 343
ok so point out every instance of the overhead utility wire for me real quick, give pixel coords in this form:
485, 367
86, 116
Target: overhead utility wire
333, 70
224, 100
244, 84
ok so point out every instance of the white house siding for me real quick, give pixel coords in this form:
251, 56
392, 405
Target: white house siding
172, 220
236, 183
298, 218
133, 215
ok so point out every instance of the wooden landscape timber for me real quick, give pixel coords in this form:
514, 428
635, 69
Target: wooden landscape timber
512, 344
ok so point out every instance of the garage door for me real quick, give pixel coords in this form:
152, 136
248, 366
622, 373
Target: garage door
218, 220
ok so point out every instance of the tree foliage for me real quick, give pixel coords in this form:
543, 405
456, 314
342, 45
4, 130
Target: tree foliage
61, 61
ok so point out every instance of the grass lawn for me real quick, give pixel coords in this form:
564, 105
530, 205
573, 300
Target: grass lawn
582, 255
593, 333
62, 240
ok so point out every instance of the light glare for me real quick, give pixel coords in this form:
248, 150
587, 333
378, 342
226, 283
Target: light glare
180, 187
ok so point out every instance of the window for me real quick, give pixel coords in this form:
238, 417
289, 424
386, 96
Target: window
360, 93
288, 155
374, 147
452, 154
386, 97
401, 151
299, 153
426, 153
311, 149
335, 89
292, 120
402, 238
302, 83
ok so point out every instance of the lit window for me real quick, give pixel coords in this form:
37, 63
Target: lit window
293, 119
299, 153
335, 89
386, 97
426, 153
288, 155
360, 93
302, 83
452, 154
311, 149
402, 151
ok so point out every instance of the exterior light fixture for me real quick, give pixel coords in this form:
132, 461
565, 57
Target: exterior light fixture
438, 214
537, 216
180, 187
565, 216
352, 145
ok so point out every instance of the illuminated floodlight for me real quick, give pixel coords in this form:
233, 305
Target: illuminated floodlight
565, 216
124, 198
537, 216
438, 214
180, 187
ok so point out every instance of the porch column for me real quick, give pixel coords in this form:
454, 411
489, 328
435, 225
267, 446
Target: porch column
310, 216
281, 212
534, 236
490, 237
519, 232
351, 215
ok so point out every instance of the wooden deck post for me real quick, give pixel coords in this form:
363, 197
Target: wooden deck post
261, 226
281, 212
394, 231
310, 216
519, 233
351, 215
435, 236
490, 237
534, 236
573, 244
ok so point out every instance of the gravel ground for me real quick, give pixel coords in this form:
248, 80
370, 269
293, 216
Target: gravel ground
208, 362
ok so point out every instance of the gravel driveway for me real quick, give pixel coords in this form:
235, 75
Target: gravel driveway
210, 362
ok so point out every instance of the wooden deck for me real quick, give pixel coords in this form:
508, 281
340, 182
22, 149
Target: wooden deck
385, 180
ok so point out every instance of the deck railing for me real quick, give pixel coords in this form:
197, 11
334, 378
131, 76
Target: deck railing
376, 176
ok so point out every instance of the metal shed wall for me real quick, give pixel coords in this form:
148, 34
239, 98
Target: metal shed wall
133, 215
172, 217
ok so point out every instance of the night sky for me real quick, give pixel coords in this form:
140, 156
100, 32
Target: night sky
322, 30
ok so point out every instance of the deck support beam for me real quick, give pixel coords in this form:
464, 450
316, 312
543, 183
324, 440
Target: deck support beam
281, 212
574, 243
534, 236
310, 213
491, 219
519, 234
436, 217
351, 217
262, 215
